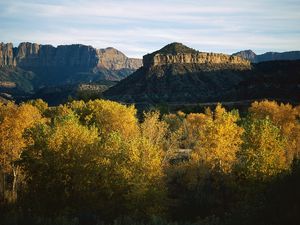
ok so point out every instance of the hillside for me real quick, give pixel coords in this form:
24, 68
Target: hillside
190, 76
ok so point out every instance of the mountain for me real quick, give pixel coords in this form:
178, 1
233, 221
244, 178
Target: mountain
32, 66
268, 56
177, 74
32, 55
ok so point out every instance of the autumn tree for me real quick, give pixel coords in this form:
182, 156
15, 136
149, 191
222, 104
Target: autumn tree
14, 120
219, 139
263, 152
285, 117
205, 180
194, 124
154, 129
58, 164
91, 160
107, 116
39, 104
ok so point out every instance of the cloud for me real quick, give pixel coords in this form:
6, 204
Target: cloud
139, 27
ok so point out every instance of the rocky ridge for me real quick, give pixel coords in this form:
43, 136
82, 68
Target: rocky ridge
268, 56
178, 75
178, 53
36, 55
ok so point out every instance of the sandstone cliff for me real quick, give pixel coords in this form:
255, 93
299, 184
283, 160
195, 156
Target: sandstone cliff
113, 59
198, 58
178, 53
35, 55
7, 55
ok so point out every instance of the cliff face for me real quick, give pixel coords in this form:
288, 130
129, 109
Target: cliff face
113, 59
197, 58
6, 55
31, 67
177, 53
29, 55
247, 54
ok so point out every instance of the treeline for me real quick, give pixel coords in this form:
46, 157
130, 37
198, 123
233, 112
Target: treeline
96, 163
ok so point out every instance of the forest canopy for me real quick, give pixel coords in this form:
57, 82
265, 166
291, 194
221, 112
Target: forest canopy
98, 162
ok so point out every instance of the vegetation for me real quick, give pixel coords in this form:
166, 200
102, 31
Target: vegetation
96, 162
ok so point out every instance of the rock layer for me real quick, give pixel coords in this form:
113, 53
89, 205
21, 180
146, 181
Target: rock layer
197, 58
7, 55
36, 55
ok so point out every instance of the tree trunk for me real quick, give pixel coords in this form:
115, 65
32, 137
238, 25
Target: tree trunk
15, 183
2, 188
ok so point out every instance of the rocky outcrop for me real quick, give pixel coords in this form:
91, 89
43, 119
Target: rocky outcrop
7, 55
247, 54
113, 59
30, 55
198, 58
178, 53
268, 56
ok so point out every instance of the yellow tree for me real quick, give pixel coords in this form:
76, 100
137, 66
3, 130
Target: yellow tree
14, 120
102, 165
155, 130
134, 173
219, 139
263, 152
40, 104
194, 124
59, 164
109, 116
285, 117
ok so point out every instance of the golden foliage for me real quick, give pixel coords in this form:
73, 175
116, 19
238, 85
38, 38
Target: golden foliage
219, 139
109, 116
286, 117
14, 120
263, 151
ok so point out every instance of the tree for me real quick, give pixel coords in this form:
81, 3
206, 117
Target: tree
285, 117
14, 121
219, 139
107, 116
154, 130
94, 163
58, 165
263, 152
194, 124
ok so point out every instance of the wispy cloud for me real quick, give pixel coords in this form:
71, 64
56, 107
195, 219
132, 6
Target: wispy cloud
139, 27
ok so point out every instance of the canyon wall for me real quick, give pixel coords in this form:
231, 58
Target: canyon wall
195, 58
28, 55
7, 55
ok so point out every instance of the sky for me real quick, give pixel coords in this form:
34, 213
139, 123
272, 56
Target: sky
140, 27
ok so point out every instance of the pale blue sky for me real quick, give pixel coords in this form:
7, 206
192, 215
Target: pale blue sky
139, 27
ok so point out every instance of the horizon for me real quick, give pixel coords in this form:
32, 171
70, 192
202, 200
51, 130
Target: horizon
144, 27
16, 45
